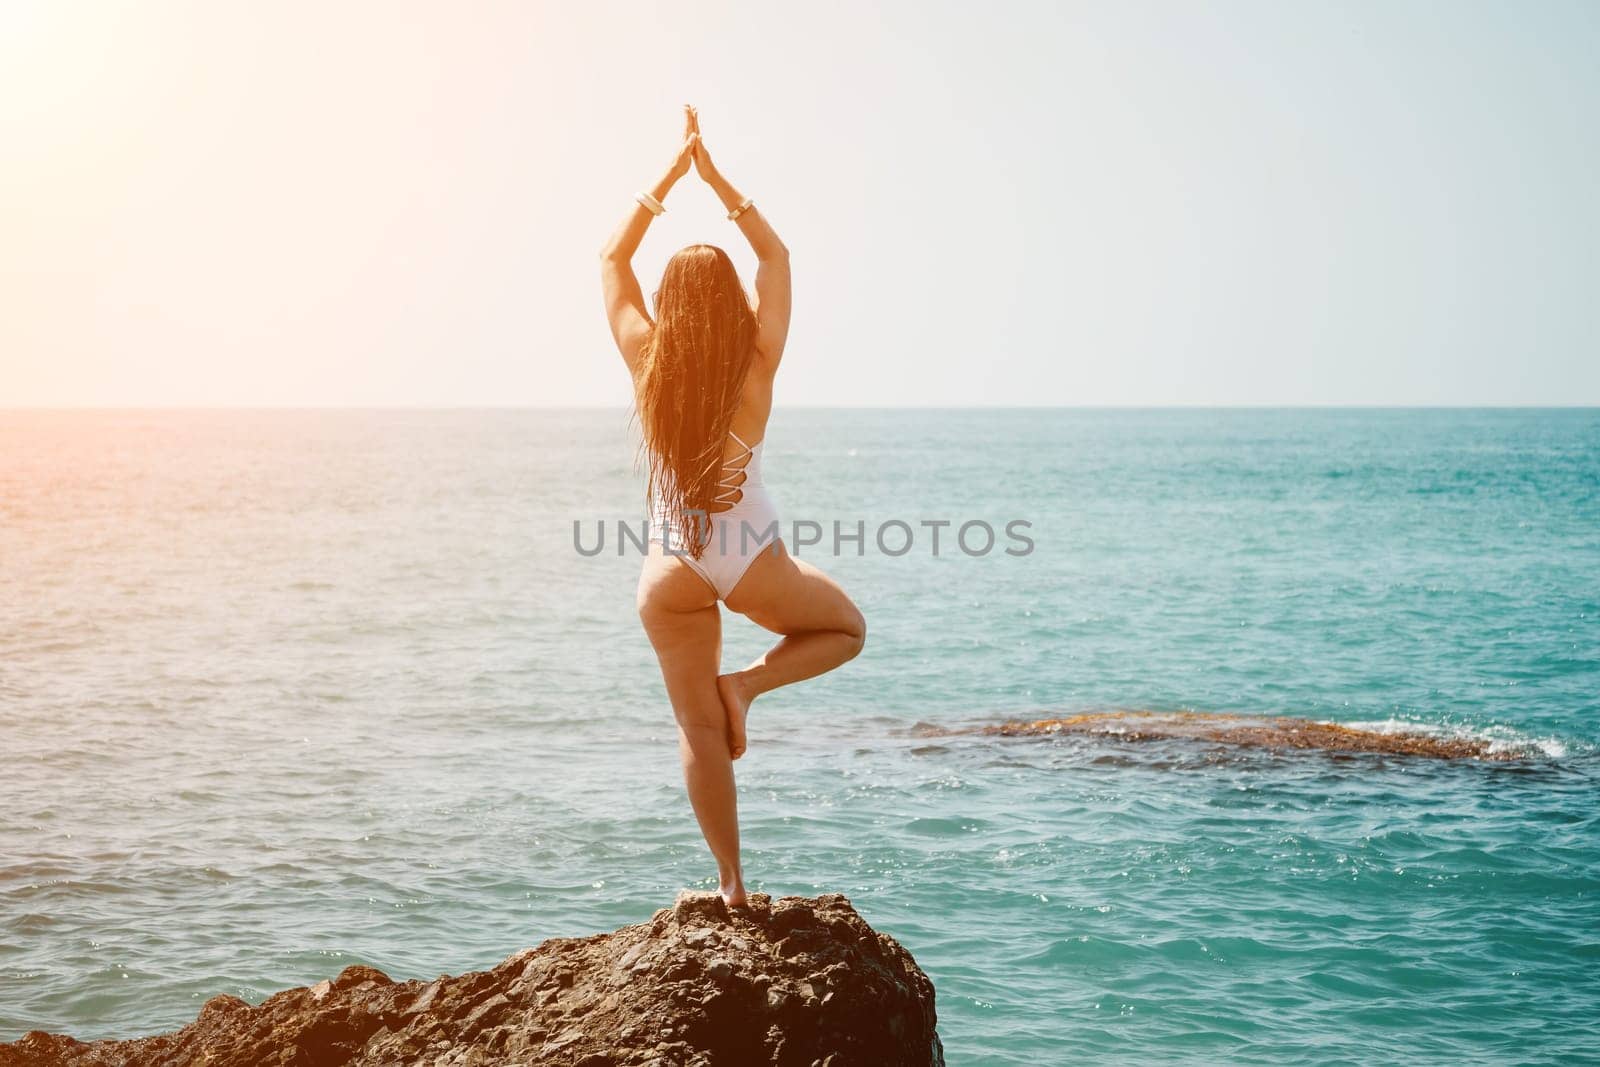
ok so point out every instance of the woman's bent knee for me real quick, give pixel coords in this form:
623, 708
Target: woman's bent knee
856, 630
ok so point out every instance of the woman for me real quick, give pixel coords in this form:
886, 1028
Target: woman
702, 377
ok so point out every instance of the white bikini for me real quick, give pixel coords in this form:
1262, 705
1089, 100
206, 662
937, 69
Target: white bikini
733, 536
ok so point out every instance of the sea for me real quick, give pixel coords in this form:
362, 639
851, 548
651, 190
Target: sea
283, 691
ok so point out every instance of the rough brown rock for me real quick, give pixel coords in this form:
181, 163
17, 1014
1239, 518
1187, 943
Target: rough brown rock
1271, 732
796, 981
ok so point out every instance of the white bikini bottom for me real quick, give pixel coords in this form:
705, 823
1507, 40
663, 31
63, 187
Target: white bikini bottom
733, 538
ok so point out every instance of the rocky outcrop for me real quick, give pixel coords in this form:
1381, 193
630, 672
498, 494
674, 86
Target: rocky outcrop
798, 980
1277, 733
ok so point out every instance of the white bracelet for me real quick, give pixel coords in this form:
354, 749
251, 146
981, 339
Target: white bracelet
740, 210
654, 206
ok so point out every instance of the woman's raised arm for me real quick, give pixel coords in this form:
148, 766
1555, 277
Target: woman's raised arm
625, 307
773, 294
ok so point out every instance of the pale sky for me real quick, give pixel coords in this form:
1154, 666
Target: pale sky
223, 202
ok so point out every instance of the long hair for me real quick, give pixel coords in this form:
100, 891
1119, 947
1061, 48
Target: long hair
690, 376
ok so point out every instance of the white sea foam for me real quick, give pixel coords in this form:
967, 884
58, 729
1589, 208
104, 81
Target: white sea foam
1501, 739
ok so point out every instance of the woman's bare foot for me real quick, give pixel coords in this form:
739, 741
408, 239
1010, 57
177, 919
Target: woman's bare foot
734, 895
736, 703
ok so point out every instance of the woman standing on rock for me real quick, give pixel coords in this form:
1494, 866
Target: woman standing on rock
702, 373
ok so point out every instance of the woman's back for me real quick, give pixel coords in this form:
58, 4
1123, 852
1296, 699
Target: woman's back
749, 425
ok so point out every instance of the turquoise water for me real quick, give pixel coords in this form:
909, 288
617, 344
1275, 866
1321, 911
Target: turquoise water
285, 691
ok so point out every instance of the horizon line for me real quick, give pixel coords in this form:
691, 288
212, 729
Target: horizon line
1351, 406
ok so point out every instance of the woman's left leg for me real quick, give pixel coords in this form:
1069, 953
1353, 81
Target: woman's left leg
821, 628
680, 614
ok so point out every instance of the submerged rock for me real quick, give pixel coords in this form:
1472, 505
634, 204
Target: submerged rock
798, 980
1270, 732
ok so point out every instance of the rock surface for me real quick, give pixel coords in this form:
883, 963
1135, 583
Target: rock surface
797, 980
1270, 732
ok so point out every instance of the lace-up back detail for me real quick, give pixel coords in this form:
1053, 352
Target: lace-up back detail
735, 476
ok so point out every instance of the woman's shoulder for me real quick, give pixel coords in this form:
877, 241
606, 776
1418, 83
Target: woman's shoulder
767, 356
757, 388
